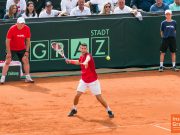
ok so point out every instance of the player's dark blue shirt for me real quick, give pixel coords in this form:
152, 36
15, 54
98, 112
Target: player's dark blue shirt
168, 28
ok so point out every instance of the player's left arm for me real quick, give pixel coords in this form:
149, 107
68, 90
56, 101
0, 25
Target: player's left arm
85, 63
175, 27
28, 41
86, 60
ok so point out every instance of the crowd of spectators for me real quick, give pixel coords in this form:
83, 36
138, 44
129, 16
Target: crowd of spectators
44, 8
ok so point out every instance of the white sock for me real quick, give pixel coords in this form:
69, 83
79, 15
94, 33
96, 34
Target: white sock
28, 76
173, 64
74, 107
108, 109
161, 64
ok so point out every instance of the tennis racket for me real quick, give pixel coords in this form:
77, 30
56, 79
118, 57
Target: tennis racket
59, 48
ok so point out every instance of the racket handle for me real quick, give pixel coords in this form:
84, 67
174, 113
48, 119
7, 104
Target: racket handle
65, 58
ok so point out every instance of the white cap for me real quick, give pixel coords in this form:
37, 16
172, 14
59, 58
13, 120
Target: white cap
168, 11
20, 20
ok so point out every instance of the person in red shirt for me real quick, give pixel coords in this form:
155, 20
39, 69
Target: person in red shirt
89, 79
18, 43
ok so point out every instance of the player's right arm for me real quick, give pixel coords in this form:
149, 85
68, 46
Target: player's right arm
161, 33
8, 40
8, 51
74, 62
162, 29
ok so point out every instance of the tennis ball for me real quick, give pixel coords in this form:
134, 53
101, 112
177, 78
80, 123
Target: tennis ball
108, 57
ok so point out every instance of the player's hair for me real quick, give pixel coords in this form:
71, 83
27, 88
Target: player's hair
84, 44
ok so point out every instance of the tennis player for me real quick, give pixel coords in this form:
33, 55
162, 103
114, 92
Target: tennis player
88, 80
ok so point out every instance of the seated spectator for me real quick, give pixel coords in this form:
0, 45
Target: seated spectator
68, 5
30, 11
168, 2
80, 10
39, 5
12, 12
122, 8
142, 4
49, 11
159, 6
97, 5
107, 10
175, 6
113, 3
21, 4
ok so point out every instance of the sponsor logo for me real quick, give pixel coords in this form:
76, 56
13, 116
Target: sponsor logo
175, 123
20, 36
10, 73
98, 45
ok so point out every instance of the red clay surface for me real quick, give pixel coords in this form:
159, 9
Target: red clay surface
142, 102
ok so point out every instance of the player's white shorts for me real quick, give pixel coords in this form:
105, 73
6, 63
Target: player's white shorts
94, 87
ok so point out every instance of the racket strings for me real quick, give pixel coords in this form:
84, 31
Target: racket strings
58, 48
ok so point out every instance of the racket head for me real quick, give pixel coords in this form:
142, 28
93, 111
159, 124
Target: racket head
58, 47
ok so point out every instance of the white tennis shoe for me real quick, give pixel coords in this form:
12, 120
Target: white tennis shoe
29, 79
2, 81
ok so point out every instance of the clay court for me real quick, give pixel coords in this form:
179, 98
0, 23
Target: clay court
142, 102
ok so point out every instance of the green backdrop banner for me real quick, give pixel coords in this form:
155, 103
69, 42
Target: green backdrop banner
126, 40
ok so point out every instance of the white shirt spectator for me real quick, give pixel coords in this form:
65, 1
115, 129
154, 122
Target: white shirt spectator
52, 14
125, 10
68, 5
101, 3
77, 12
21, 5
30, 16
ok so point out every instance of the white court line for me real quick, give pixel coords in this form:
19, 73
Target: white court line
161, 127
126, 126
113, 127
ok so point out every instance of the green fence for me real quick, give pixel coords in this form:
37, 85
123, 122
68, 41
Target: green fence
128, 41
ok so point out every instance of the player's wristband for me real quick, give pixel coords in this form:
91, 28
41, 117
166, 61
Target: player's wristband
72, 62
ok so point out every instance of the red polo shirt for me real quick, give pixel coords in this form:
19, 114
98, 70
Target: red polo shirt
88, 74
17, 37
